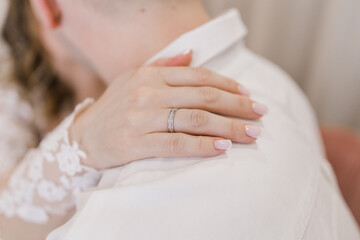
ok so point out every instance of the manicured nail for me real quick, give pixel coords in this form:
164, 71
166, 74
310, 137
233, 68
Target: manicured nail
252, 131
243, 91
186, 52
223, 144
260, 108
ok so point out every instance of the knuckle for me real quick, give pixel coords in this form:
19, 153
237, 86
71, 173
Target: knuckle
202, 74
209, 94
245, 103
146, 73
176, 144
236, 130
198, 118
202, 146
143, 94
231, 84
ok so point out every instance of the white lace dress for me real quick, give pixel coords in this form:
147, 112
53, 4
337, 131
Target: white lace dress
37, 184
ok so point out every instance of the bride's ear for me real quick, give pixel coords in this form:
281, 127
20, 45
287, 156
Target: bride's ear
48, 12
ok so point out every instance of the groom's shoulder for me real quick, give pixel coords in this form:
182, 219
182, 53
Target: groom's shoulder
269, 84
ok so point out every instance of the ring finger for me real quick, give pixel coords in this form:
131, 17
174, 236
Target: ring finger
203, 123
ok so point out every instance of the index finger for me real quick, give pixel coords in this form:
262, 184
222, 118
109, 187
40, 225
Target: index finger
183, 59
201, 77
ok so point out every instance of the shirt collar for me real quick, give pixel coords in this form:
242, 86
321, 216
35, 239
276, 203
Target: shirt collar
208, 40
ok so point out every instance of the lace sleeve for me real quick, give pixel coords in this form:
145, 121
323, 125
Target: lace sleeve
47, 180
16, 130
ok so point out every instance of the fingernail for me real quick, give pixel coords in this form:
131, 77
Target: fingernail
186, 52
223, 144
260, 108
252, 131
243, 91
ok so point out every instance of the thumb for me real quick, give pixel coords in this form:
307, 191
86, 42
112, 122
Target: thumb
181, 60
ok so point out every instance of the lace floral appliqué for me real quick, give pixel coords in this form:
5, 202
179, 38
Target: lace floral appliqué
49, 178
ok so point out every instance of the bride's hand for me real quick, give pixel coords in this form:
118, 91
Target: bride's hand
129, 122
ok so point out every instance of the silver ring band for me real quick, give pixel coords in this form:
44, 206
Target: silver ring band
171, 120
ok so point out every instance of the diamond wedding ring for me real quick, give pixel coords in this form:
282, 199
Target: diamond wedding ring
171, 120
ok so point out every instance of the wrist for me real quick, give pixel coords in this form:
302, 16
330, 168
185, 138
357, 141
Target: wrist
79, 128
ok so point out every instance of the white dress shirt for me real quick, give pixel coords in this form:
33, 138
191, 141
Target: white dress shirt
280, 187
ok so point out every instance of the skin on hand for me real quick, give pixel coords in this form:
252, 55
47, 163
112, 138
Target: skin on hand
184, 59
129, 122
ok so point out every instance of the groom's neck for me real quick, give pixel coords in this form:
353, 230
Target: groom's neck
150, 28
171, 22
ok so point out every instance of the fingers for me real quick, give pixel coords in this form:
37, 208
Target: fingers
183, 145
200, 77
216, 101
203, 123
183, 59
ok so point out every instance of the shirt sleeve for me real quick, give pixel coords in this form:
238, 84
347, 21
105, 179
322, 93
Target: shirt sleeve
45, 182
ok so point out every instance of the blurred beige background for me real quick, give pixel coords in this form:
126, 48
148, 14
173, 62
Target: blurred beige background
316, 41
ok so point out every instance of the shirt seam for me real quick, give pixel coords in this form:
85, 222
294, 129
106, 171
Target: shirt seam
312, 209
